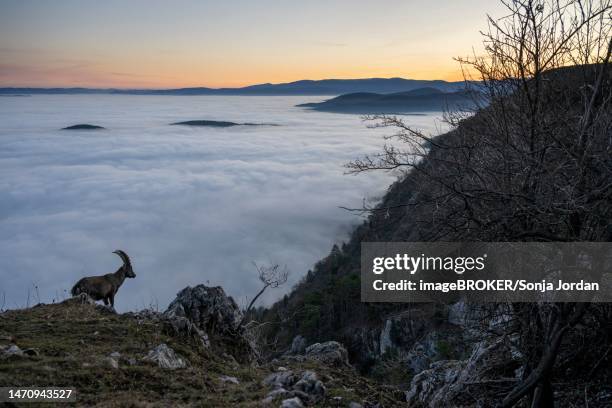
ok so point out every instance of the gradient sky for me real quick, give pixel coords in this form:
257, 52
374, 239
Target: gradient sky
157, 43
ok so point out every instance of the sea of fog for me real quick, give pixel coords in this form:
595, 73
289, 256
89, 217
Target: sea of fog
189, 205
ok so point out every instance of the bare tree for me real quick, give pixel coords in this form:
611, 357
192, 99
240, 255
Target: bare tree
271, 276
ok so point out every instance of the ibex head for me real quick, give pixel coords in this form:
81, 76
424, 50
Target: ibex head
129, 273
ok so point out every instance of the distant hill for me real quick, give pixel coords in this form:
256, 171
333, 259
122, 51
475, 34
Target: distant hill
417, 100
304, 87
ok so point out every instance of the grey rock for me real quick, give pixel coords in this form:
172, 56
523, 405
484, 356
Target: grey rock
280, 379
447, 380
298, 345
330, 352
294, 402
354, 404
14, 350
203, 310
310, 385
228, 379
112, 362
166, 358
206, 306
386, 343
286, 384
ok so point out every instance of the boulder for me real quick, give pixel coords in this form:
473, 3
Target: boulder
208, 307
208, 311
165, 358
329, 352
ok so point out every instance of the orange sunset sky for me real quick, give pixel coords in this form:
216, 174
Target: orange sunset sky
168, 44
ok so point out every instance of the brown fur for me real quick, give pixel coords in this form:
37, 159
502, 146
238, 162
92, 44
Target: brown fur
105, 287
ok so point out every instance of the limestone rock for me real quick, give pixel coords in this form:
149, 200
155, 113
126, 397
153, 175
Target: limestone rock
298, 345
166, 358
294, 402
228, 379
286, 384
448, 382
330, 352
14, 350
209, 311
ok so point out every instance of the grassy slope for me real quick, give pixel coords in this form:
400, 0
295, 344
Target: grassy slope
74, 341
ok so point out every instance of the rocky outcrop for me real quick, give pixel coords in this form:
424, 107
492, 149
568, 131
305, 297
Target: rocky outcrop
208, 307
166, 358
210, 312
463, 382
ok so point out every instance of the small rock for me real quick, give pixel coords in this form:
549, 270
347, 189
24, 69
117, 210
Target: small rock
281, 369
115, 354
355, 405
294, 402
112, 362
30, 352
228, 379
12, 350
165, 357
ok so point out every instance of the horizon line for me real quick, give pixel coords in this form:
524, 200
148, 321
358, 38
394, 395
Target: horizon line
220, 88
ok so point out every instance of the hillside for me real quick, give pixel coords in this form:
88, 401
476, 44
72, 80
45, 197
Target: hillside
475, 183
417, 100
110, 359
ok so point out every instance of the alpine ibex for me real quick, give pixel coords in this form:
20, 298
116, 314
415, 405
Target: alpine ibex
105, 287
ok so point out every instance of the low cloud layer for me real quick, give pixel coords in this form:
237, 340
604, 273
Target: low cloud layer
189, 205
